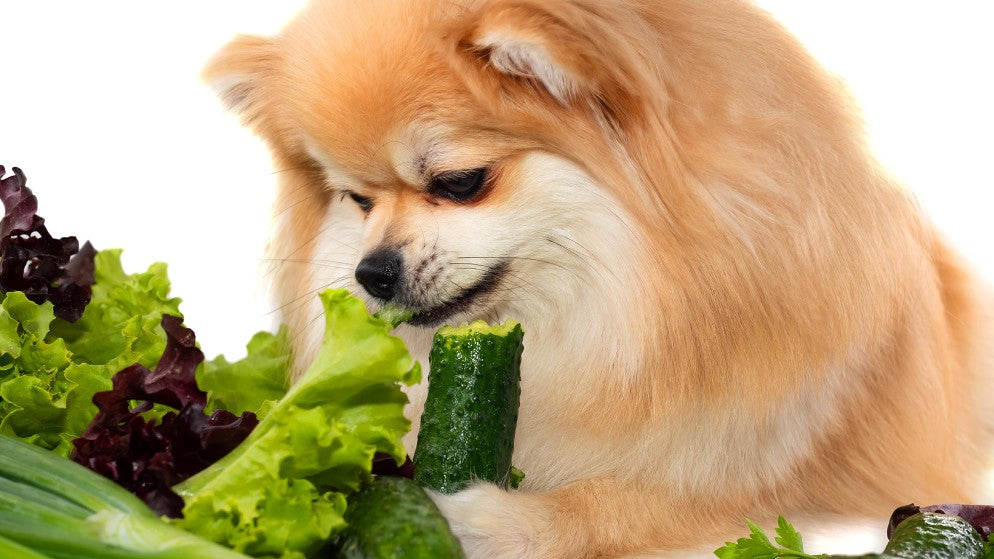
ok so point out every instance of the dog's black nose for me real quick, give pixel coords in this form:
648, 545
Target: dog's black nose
379, 272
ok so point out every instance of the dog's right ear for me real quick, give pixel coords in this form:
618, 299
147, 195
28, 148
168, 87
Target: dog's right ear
240, 73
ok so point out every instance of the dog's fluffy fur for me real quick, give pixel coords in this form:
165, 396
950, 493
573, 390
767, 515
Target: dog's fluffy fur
730, 309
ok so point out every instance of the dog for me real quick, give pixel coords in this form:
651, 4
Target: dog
730, 309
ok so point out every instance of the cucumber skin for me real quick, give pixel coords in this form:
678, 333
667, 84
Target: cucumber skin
393, 518
471, 410
915, 538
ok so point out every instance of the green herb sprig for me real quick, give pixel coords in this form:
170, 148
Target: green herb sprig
759, 546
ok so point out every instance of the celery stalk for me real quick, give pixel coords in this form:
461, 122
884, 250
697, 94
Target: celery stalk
64, 478
58, 509
27, 493
18, 511
10, 548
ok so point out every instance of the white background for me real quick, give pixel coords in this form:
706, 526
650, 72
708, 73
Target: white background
101, 105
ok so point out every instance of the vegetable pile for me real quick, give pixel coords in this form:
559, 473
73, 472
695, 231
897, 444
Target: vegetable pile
80, 321
96, 364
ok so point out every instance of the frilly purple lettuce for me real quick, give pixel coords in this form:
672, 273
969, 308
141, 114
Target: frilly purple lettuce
149, 456
35, 263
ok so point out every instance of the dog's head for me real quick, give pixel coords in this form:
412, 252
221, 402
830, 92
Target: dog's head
451, 159
664, 178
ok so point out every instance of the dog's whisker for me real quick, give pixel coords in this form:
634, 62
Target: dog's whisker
301, 300
309, 324
330, 264
281, 170
521, 258
509, 274
569, 250
282, 259
585, 258
572, 271
292, 204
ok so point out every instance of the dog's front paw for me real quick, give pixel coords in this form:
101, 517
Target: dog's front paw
494, 524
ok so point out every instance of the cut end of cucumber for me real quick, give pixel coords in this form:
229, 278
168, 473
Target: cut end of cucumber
480, 327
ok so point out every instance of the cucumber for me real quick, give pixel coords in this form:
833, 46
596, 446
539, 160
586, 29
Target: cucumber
930, 535
467, 433
393, 518
471, 410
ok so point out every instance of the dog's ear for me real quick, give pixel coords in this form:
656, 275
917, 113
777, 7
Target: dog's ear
560, 47
239, 74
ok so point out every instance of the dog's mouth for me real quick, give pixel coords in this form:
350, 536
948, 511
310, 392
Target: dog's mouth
434, 316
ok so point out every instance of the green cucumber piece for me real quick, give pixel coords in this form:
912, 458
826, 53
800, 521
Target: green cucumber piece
471, 410
393, 518
929, 535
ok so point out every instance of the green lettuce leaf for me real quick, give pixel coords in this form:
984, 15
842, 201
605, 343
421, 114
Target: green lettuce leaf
38, 379
121, 325
50, 369
245, 385
281, 493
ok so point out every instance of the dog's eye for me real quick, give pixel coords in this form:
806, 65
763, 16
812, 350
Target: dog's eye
365, 204
459, 186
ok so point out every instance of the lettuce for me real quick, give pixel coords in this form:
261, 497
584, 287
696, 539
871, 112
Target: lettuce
35, 263
121, 325
147, 456
51, 368
37, 377
281, 493
245, 385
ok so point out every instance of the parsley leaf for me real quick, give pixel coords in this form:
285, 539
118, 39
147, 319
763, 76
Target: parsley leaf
759, 546
787, 536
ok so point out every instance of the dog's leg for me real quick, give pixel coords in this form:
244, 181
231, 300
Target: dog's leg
588, 518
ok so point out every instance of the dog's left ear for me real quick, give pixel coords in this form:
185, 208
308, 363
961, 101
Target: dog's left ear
558, 47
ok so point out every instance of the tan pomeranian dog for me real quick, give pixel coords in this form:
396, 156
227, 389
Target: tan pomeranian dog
730, 309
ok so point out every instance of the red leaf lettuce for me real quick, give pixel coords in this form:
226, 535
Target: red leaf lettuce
149, 456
